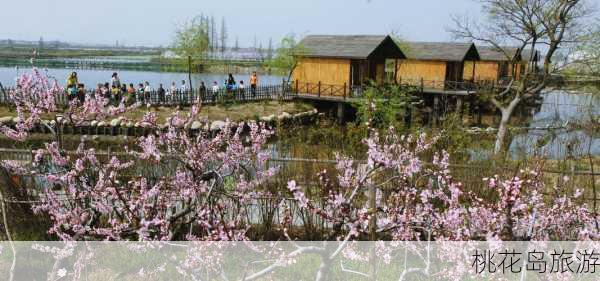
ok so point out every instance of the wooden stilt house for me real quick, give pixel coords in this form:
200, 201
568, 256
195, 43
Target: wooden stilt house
334, 65
435, 66
498, 65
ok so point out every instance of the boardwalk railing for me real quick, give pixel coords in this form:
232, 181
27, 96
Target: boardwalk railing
283, 91
444, 85
322, 90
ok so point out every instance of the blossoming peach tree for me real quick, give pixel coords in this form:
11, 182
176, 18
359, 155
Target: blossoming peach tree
205, 187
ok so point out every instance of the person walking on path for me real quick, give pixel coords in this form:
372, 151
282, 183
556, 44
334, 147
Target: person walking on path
147, 92
230, 82
161, 94
72, 83
130, 94
215, 90
140, 93
72, 80
184, 92
242, 90
114, 80
115, 97
106, 91
253, 83
201, 92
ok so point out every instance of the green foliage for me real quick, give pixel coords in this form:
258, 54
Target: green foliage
192, 39
384, 106
286, 57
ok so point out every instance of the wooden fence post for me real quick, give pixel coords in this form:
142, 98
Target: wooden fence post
436, 105
283, 89
319, 89
296, 87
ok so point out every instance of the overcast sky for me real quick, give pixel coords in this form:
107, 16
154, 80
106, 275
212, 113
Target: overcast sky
152, 22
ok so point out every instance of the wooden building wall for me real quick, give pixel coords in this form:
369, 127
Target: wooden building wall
490, 70
327, 71
414, 70
484, 71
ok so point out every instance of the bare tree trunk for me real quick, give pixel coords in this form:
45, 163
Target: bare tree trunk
504, 122
502, 132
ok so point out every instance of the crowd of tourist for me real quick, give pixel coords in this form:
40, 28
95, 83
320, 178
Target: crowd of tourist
117, 91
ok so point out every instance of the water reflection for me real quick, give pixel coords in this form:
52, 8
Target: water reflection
559, 111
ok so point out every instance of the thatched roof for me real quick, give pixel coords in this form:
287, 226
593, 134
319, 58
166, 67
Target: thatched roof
440, 51
350, 46
489, 53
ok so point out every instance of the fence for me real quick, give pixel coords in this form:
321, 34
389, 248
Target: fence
265, 211
345, 91
281, 91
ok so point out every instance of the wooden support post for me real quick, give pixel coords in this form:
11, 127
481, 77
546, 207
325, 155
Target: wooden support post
436, 107
297, 87
340, 112
459, 103
396, 71
319, 89
422, 84
408, 116
345, 85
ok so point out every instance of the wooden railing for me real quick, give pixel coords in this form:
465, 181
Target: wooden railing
262, 92
323, 90
345, 91
424, 84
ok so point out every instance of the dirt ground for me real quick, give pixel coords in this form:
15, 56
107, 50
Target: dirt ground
233, 112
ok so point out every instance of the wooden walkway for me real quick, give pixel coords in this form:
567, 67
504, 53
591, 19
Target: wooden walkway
293, 90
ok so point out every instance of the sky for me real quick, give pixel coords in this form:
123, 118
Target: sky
153, 22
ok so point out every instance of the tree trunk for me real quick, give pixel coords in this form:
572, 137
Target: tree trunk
503, 127
502, 131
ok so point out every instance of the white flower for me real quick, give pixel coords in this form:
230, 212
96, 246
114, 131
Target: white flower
61, 273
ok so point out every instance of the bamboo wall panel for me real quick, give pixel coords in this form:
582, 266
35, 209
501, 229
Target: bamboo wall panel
327, 71
415, 70
484, 71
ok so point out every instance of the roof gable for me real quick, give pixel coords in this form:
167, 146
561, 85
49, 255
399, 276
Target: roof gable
350, 46
440, 51
489, 53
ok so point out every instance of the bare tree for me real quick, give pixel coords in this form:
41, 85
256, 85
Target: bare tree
525, 24
41, 43
270, 49
214, 37
223, 35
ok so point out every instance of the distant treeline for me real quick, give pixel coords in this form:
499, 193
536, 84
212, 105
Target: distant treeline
26, 53
154, 64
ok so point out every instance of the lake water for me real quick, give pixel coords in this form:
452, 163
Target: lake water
92, 77
561, 109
